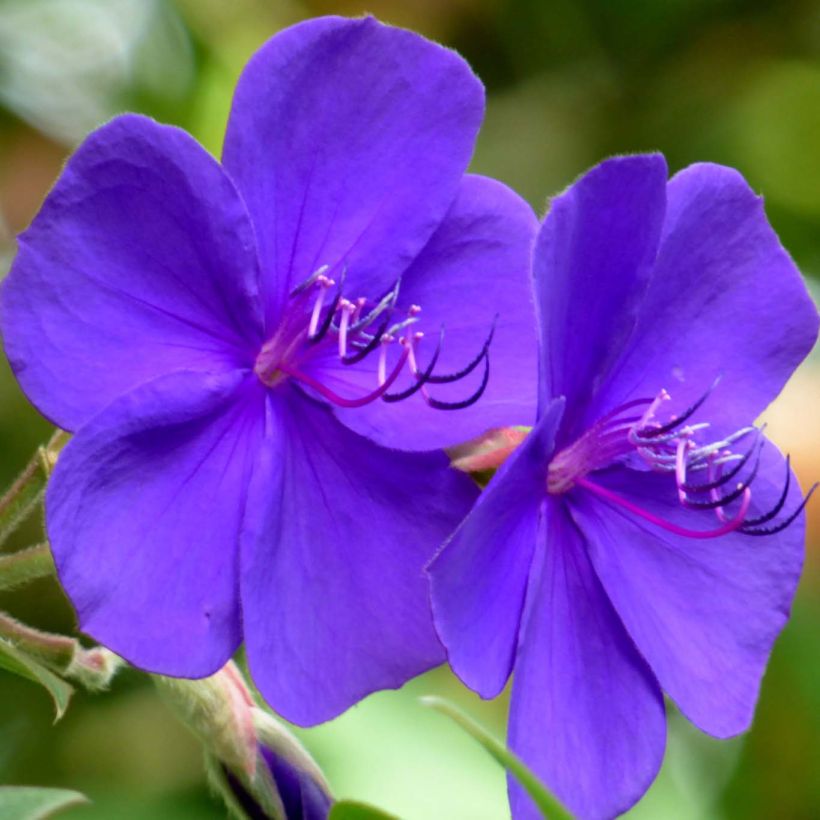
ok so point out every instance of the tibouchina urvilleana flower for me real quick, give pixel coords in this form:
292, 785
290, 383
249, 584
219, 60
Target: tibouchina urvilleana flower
645, 537
239, 350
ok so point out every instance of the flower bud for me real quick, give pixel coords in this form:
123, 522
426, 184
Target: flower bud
259, 768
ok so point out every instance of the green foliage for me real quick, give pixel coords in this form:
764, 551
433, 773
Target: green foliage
29, 803
350, 810
547, 804
21, 664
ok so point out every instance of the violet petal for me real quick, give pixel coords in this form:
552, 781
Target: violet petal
337, 531
479, 578
592, 260
348, 139
140, 262
143, 514
725, 300
586, 713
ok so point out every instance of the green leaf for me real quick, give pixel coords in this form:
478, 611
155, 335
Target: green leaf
21, 664
30, 803
350, 810
549, 806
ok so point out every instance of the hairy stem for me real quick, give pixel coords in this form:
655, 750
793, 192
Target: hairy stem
26, 565
57, 651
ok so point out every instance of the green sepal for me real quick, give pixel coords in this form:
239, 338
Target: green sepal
18, 663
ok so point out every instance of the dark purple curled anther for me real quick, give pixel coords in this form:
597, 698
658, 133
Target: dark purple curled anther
729, 497
420, 378
756, 449
766, 517
465, 371
460, 405
748, 527
678, 420
372, 344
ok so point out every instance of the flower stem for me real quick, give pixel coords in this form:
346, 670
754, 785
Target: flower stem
94, 668
57, 651
21, 499
25, 565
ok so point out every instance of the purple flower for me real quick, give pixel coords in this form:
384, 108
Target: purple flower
644, 537
228, 342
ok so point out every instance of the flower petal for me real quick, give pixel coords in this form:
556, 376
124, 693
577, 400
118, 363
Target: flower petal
348, 139
140, 262
338, 530
479, 579
725, 300
592, 261
704, 613
472, 275
143, 516
586, 713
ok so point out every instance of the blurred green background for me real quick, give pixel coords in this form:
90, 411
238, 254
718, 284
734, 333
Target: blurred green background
569, 82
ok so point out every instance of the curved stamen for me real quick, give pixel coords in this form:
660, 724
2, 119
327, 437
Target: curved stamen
303, 286
372, 344
465, 371
644, 440
341, 401
316, 337
421, 378
725, 478
768, 516
722, 501
748, 529
679, 420
460, 405
622, 409
387, 301
730, 526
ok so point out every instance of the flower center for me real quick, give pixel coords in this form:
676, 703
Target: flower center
320, 319
705, 472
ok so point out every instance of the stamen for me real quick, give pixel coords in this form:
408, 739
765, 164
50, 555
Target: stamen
371, 345
388, 301
350, 324
460, 405
421, 378
672, 447
721, 480
341, 401
687, 414
730, 526
387, 339
347, 309
324, 283
303, 286
465, 371
782, 526
317, 336
768, 516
